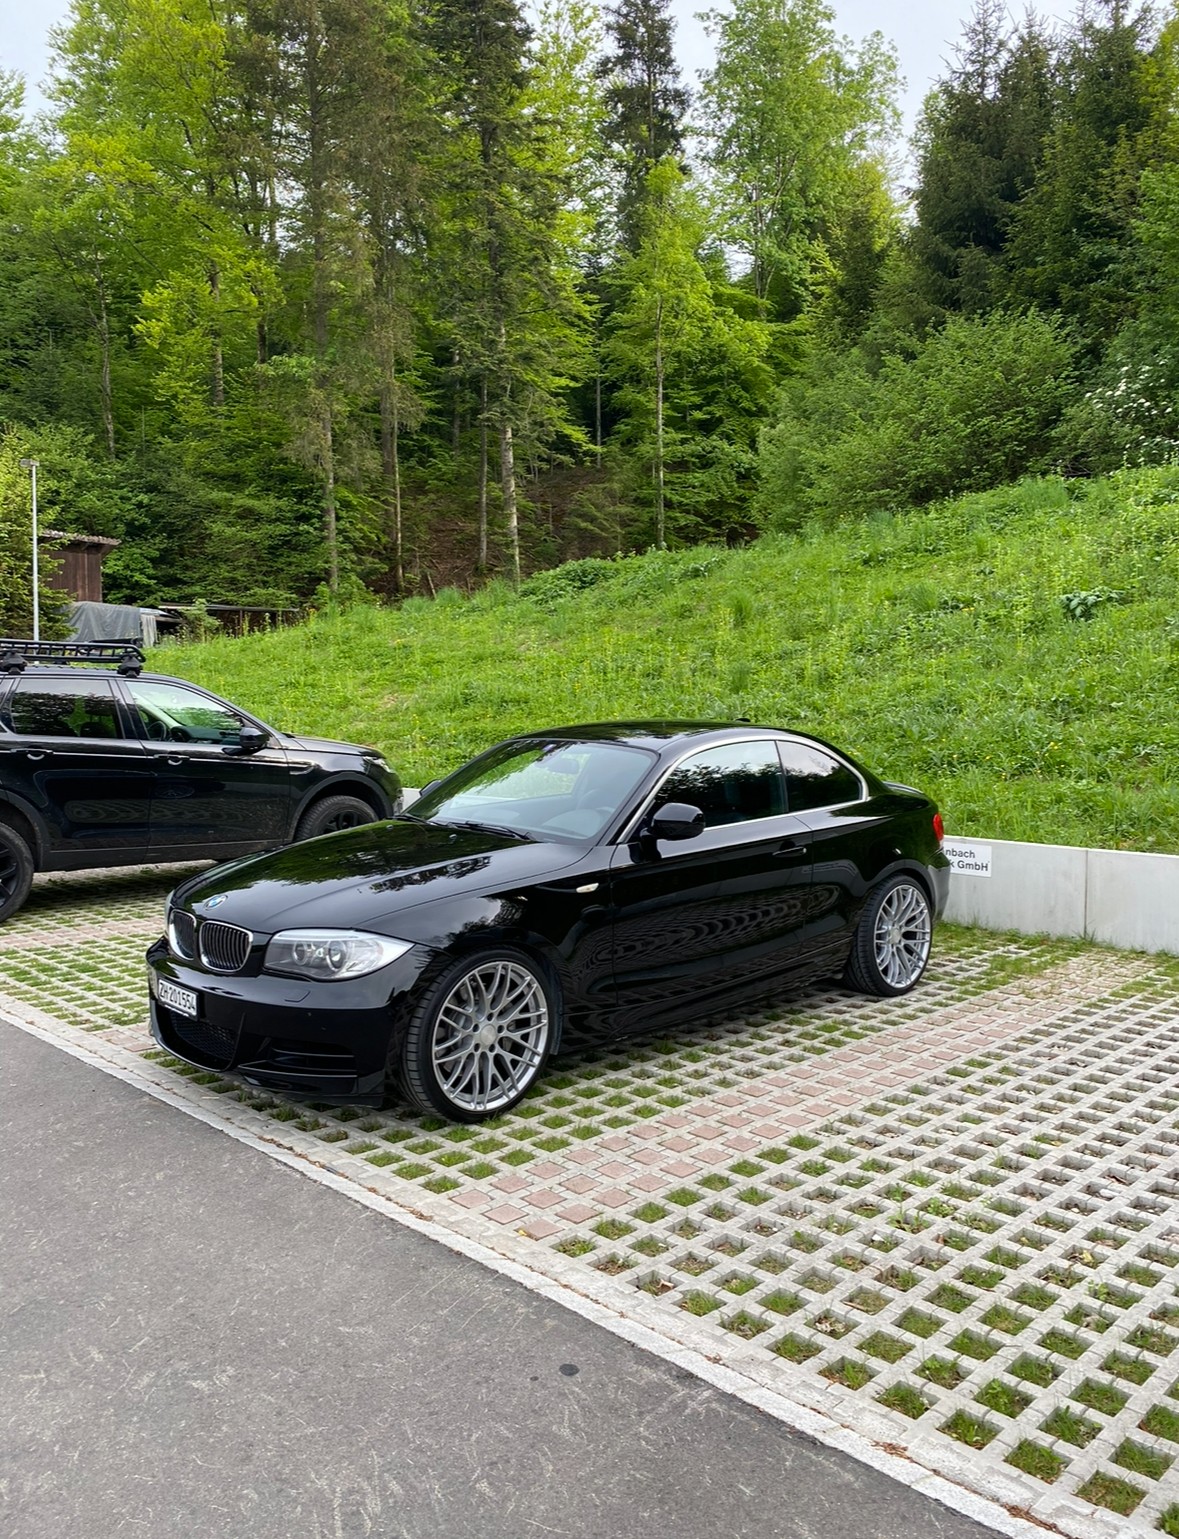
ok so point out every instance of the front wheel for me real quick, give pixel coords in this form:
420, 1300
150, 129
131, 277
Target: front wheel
331, 815
478, 1037
891, 946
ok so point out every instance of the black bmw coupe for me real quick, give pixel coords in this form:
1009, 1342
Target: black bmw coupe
584, 884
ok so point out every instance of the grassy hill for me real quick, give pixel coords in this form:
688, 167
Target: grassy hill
1016, 653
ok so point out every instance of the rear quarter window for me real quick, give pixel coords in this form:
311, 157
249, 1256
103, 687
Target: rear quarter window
817, 779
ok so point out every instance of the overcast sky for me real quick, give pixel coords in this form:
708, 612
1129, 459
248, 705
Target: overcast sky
924, 32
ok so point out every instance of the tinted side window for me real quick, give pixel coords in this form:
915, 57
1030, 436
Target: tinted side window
172, 714
815, 779
734, 784
64, 708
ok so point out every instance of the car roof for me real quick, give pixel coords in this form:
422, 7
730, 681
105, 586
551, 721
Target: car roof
90, 671
658, 735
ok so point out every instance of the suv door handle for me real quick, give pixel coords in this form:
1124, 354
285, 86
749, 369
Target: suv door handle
792, 851
39, 753
173, 758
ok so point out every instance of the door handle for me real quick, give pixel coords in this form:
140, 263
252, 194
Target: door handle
174, 759
790, 851
39, 753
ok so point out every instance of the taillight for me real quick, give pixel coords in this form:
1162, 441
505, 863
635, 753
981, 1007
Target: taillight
939, 827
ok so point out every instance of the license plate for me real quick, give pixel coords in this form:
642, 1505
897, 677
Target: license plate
182, 1000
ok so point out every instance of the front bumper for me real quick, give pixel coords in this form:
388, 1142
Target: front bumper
308, 1041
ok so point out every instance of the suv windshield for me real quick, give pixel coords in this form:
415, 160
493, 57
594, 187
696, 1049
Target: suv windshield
541, 790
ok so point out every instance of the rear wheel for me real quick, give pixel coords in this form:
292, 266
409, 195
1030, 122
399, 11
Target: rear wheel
332, 814
478, 1037
891, 946
16, 871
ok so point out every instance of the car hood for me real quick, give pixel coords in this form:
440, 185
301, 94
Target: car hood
318, 744
365, 876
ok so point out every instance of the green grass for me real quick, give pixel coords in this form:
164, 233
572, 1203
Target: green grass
1003, 1397
974, 1430
1106, 1491
905, 1399
1142, 1460
1035, 1459
934, 645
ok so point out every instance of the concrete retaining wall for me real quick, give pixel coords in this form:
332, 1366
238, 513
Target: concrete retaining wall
1118, 897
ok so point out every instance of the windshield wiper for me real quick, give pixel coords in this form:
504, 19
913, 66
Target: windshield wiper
485, 828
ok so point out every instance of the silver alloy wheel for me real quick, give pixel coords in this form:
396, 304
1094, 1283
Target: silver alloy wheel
902, 934
490, 1036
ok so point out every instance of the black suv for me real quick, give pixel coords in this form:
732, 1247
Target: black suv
110, 766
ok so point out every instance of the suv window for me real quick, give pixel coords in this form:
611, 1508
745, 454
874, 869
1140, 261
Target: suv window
64, 708
815, 779
733, 784
169, 713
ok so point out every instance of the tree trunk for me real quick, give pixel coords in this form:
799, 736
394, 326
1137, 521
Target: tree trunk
457, 422
391, 469
218, 387
483, 474
329, 503
660, 521
507, 468
598, 412
104, 343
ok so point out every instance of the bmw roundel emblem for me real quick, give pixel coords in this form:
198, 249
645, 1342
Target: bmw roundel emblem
217, 901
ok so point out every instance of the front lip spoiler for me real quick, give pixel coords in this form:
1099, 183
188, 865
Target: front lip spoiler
356, 1089
350, 1089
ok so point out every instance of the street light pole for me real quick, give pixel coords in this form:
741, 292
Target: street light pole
31, 467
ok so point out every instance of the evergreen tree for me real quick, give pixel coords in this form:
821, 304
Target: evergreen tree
1070, 235
513, 316
645, 101
980, 141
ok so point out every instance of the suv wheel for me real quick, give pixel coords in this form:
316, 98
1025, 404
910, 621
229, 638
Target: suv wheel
16, 871
332, 814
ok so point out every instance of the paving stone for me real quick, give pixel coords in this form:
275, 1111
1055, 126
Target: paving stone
962, 1203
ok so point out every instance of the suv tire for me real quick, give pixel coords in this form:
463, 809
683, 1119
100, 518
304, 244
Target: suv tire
16, 871
331, 815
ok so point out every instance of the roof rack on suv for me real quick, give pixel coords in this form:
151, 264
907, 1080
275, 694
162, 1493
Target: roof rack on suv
16, 655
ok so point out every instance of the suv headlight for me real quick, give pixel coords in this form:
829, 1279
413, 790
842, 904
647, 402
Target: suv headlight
328, 954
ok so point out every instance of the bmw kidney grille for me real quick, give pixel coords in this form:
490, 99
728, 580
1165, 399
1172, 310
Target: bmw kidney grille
224, 947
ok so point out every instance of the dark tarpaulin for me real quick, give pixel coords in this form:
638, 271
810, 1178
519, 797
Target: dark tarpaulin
112, 622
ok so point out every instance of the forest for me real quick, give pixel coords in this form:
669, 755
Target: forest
308, 301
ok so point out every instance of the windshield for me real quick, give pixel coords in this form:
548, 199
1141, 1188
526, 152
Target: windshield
557, 790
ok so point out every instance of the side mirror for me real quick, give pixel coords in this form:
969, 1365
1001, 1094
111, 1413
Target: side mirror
252, 739
676, 820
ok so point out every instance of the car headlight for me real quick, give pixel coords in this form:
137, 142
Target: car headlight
328, 954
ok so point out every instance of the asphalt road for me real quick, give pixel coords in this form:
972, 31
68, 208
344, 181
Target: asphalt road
199, 1341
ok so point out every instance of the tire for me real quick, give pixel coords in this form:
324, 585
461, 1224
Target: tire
890, 950
446, 1068
332, 814
16, 871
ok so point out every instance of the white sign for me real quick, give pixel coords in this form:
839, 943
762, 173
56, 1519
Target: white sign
968, 859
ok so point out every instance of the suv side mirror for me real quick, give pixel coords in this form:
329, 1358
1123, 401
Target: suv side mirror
676, 820
252, 739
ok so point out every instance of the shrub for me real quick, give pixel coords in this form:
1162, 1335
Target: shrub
974, 407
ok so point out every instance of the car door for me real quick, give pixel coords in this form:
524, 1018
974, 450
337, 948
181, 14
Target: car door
701, 917
829, 797
207, 796
70, 753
